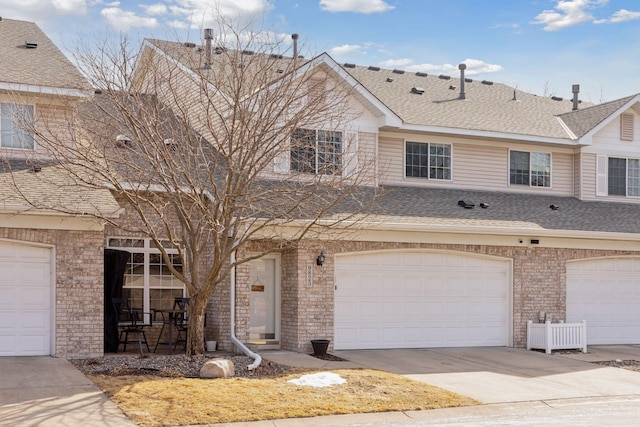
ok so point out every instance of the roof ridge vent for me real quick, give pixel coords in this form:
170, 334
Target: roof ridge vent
396, 71
275, 56
468, 80
31, 44
487, 82
247, 52
349, 65
417, 90
443, 77
372, 68
188, 44
421, 74
556, 98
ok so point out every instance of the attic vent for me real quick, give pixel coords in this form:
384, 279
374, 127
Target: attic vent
443, 77
389, 79
171, 144
398, 71
36, 168
218, 50
372, 68
421, 74
275, 56
468, 80
189, 44
247, 52
466, 203
348, 65
626, 127
452, 87
417, 90
279, 71
123, 141
556, 98
30, 44
487, 82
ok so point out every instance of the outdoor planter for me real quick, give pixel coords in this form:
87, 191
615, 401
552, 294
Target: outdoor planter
557, 336
320, 347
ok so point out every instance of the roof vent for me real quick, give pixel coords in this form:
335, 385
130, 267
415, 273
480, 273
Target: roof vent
389, 79
421, 74
218, 50
279, 71
468, 80
487, 82
466, 203
515, 98
208, 37
171, 144
123, 141
462, 95
442, 76
556, 98
187, 44
97, 91
398, 71
554, 207
30, 44
247, 52
295, 37
452, 87
348, 65
417, 90
484, 205
575, 89
372, 68
36, 168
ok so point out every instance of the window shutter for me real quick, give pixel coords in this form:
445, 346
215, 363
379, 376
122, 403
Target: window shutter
350, 154
626, 127
601, 175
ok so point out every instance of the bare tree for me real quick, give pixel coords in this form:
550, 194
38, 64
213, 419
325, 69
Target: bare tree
208, 148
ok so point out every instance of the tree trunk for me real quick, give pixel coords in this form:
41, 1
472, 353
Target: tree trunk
195, 334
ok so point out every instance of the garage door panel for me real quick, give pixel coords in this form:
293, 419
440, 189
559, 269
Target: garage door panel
606, 293
421, 296
25, 300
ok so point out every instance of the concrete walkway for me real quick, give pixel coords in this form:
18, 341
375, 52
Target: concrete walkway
45, 391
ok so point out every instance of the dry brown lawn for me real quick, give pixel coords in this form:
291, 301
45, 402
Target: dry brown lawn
156, 401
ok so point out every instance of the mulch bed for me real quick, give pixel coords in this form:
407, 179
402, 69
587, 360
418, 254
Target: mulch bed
329, 357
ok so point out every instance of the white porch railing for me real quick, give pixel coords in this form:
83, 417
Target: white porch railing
557, 336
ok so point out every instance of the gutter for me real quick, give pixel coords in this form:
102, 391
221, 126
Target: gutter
256, 357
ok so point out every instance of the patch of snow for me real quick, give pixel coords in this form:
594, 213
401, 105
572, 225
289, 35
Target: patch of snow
321, 379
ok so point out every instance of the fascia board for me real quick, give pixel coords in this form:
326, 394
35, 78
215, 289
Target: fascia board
45, 90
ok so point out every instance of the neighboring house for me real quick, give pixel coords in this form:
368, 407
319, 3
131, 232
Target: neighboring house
51, 263
502, 207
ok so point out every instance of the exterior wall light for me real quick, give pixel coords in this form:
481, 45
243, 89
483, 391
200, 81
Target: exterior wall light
320, 259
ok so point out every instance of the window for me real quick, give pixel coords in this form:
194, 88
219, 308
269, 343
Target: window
532, 169
623, 177
316, 151
428, 160
12, 135
147, 281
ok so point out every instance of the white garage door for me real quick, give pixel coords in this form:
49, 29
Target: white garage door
420, 299
606, 293
25, 300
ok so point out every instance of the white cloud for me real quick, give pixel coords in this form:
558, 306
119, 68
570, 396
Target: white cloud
359, 6
155, 9
474, 66
345, 49
403, 62
206, 13
70, 7
567, 13
41, 11
623, 15
123, 20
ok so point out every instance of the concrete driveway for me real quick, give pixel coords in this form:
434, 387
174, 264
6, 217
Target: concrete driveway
45, 391
497, 374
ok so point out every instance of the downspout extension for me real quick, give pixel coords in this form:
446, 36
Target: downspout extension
255, 356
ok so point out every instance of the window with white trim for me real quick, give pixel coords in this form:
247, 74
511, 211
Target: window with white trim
427, 160
147, 281
530, 168
623, 177
316, 151
12, 134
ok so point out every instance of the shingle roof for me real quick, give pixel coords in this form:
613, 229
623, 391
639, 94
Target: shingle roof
583, 120
509, 211
44, 65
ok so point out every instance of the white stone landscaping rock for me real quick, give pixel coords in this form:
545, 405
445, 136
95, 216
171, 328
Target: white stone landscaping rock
320, 379
218, 368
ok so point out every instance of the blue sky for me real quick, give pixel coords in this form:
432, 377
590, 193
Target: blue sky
540, 46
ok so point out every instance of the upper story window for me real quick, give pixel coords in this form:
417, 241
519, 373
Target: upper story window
12, 135
428, 160
530, 168
316, 151
623, 177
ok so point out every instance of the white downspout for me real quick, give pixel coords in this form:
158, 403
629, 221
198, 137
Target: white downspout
255, 356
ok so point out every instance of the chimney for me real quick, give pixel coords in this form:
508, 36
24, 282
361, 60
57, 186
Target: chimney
576, 90
208, 36
294, 36
462, 67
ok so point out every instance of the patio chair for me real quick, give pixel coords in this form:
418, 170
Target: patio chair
130, 321
182, 320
